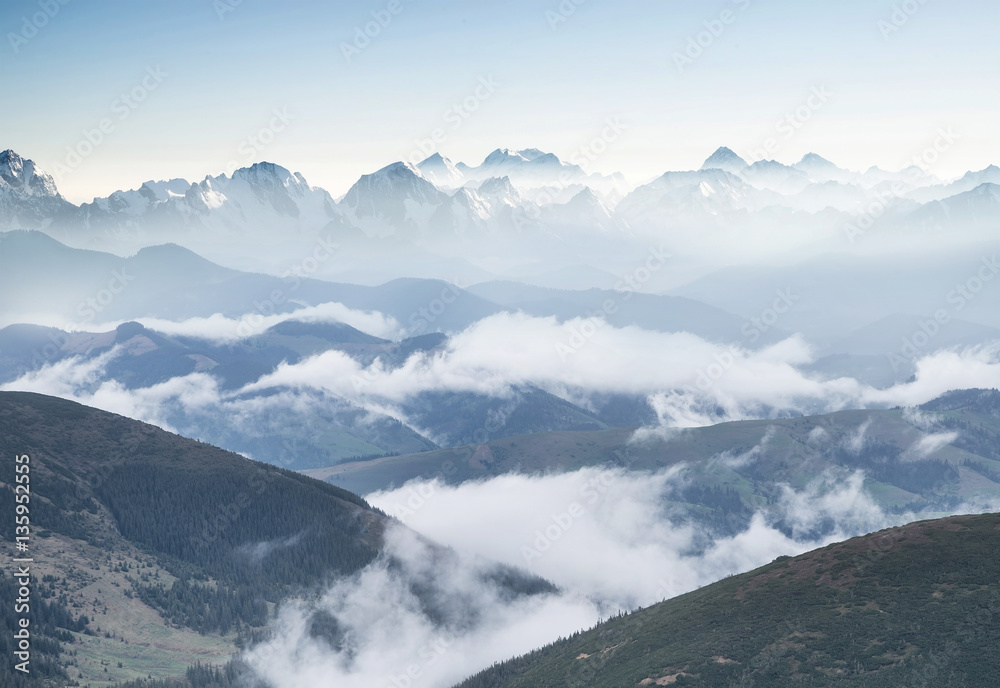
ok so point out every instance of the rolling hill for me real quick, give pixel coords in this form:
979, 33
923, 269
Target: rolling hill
153, 552
294, 427
168, 281
923, 460
907, 606
173, 550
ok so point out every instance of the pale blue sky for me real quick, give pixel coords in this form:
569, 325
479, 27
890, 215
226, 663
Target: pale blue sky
555, 88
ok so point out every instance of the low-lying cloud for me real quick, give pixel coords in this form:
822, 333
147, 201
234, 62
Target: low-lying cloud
609, 538
687, 380
408, 621
222, 328
619, 536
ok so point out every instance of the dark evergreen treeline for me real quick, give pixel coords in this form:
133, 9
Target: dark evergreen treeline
205, 608
366, 457
259, 534
50, 626
983, 470
234, 674
884, 462
237, 533
258, 527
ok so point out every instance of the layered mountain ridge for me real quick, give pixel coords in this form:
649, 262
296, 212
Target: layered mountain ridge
438, 198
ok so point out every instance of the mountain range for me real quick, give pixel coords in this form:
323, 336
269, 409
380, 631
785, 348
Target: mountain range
222, 330
925, 460
436, 210
491, 333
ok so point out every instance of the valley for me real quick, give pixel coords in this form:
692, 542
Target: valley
499, 345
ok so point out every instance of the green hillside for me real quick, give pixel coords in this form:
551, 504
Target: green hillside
927, 461
171, 549
157, 557
908, 606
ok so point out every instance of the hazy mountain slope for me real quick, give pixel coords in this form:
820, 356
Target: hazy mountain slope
291, 428
959, 283
883, 353
456, 418
898, 607
913, 460
301, 428
647, 311
151, 357
175, 283
888, 335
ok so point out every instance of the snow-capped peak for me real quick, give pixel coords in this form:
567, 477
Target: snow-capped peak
440, 171
503, 155
24, 177
392, 193
725, 159
498, 191
814, 161
266, 173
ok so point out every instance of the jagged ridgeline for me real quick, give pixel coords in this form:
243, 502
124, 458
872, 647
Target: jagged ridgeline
911, 606
204, 536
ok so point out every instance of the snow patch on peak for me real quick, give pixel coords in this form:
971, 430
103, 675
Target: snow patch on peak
533, 154
814, 160
265, 173
498, 191
725, 159
440, 171
24, 177
399, 169
501, 155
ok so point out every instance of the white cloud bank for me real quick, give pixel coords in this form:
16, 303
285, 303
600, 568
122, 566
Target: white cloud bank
221, 328
688, 381
604, 536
